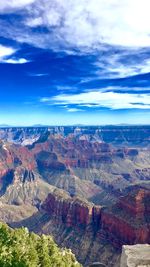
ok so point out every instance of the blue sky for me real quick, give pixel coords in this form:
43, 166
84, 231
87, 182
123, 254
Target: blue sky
74, 62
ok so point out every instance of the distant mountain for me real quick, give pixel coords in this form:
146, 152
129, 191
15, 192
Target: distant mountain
39, 125
4, 126
118, 135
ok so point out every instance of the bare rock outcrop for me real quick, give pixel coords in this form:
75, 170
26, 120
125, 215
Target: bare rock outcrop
135, 256
127, 222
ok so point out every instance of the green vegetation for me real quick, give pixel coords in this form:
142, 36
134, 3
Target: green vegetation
20, 248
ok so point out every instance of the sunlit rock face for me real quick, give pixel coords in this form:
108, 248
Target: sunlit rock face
73, 212
125, 223
24, 136
17, 164
135, 256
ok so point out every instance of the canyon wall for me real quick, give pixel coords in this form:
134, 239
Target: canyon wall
73, 212
131, 135
127, 222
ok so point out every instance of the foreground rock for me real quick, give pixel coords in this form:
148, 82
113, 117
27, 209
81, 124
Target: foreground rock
135, 256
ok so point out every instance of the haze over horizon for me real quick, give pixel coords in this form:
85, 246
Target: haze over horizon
65, 62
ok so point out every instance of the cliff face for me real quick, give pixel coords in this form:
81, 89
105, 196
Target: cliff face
72, 212
120, 232
117, 225
128, 221
137, 203
12, 156
77, 153
70, 152
17, 164
25, 135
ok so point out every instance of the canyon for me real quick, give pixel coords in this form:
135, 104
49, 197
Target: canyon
87, 186
129, 135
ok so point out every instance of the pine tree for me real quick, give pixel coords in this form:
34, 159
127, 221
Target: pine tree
19, 248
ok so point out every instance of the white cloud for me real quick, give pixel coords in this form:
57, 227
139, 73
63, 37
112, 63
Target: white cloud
84, 26
38, 74
34, 22
9, 5
84, 23
112, 67
15, 61
111, 100
6, 51
74, 110
6, 56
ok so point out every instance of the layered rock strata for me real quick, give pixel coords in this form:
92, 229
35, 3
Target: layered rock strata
127, 222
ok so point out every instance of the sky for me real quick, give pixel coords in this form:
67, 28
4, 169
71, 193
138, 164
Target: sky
65, 62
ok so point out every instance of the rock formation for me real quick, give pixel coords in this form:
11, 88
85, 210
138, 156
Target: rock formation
125, 223
126, 135
102, 196
73, 212
135, 256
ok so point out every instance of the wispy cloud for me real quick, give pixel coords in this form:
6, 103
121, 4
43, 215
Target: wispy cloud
74, 110
7, 56
122, 64
38, 74
15, 61
9, 5
90, 23
82, 24
86, 27
6, 51
111, 100
90, 51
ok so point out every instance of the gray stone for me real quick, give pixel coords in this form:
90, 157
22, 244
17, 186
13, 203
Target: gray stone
135, 256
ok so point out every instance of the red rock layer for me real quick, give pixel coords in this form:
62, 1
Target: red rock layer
128, 221
117, 225
77, 153
121, 232
136, 204
17, 163
72, 212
